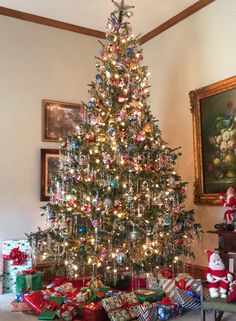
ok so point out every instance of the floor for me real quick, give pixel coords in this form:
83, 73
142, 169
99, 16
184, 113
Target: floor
6, 315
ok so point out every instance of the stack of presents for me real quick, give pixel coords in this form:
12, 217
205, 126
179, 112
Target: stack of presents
148, 298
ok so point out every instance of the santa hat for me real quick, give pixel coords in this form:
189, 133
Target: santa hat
209, 253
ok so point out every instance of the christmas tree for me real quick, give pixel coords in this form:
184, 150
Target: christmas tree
117, 202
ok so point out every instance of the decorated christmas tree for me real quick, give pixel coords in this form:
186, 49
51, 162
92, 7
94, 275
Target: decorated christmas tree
117, 202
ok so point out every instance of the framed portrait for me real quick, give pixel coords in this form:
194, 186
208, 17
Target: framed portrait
214, 134
50, 165
60, 119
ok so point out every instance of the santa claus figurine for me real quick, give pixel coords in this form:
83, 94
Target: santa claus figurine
230, 202
217, 275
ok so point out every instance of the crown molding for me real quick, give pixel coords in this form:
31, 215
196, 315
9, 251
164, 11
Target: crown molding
51, 22
100, 34
176, 19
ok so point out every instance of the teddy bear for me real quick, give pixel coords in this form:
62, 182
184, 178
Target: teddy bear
217, 275
230, 202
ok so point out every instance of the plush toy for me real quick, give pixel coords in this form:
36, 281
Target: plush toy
217, 276
230, 202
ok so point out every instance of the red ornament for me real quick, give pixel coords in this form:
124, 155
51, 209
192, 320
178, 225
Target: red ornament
121, 98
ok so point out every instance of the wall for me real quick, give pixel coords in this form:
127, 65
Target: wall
36, 63
196, 52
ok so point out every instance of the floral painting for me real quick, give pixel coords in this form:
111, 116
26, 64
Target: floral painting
214, 124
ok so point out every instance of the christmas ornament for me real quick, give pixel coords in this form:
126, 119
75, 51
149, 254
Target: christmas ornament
148, 127
121, 258
113, 184
82, 230
107, 202
101, 138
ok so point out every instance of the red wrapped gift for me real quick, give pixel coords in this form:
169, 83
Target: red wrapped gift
136, 283
80, 283
94, 312
182, 285
36, 300
39, 299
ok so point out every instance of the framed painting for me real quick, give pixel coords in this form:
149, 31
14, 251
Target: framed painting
50, 165
60, 119
214, 134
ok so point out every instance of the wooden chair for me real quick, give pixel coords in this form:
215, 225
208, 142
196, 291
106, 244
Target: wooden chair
217, 305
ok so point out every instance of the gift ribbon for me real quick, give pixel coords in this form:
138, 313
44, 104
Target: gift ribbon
50, 307
33, 271
168, 302
125, 306
64, 308
182, 285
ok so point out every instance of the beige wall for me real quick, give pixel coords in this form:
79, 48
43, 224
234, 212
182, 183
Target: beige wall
36, 63
194, 53
39, 62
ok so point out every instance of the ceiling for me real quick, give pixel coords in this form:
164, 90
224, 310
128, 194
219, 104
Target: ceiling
148, 14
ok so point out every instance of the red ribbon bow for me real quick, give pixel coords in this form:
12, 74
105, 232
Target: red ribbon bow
166, 272
16, 255
26, 272
182, 285
166, 300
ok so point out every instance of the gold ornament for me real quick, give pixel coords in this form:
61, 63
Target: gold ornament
148, 127
216, 162
101, 138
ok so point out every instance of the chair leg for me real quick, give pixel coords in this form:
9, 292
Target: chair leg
219, 316
203, 315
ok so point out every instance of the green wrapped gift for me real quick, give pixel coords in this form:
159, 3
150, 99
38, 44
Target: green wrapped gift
145, 295
28, 281
49, 312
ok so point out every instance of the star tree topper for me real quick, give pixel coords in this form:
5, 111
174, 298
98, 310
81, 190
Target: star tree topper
123, 10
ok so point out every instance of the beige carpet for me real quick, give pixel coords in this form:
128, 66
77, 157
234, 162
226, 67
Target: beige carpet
6, 315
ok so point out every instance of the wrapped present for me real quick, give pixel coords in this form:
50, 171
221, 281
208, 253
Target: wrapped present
19, 297
145, 295
148, 312
102, 289
80, 282
23, 246
94, 312
17, 254
50, 309
169, 285
111, 293
82, 296
1, 275
168, 308
190, 300
20, 307
67, 312
122, 308
152, 283
29, 279
65, 288
39, 299
10, 273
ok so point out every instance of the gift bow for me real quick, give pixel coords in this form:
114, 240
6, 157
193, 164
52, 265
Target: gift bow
33, 271
16, 255
182, 285
166, 300
50, 306
166, 272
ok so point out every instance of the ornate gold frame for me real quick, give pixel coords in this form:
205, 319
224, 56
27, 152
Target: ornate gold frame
200, 197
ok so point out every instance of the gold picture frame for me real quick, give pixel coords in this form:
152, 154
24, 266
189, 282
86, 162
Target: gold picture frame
50, 162
213, 110
60, 119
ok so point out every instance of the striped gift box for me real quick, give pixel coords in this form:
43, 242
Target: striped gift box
1, 275
148, 312
189, 300
168, 285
